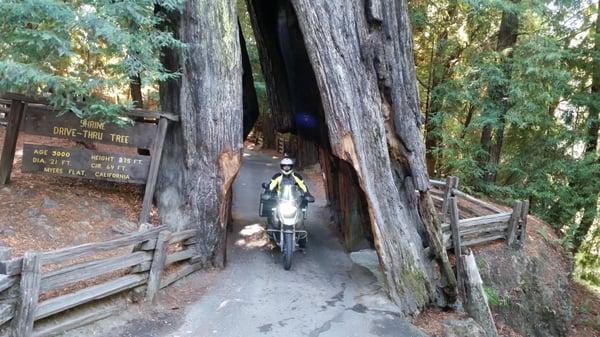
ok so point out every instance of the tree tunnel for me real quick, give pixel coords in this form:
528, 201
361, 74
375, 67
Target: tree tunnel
340, 76
292, 87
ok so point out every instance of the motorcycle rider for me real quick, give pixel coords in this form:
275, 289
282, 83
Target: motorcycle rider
287, 173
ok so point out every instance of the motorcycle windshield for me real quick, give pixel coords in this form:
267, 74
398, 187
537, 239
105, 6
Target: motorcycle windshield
289, 192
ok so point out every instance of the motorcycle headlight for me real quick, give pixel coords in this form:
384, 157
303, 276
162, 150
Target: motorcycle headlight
287, 210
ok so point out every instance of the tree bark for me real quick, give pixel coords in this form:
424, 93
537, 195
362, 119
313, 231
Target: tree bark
264, 17
135, 88
251, 109
203, 151
492, 134
307, 152
362, 58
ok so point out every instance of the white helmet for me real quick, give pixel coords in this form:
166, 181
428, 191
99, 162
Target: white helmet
286, 165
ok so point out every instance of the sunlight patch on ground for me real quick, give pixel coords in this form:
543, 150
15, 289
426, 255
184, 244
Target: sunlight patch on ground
252, 236
224, 303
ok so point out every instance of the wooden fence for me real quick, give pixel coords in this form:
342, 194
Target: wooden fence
42, 286
487, 222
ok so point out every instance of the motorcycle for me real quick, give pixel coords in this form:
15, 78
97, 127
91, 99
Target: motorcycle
287, 212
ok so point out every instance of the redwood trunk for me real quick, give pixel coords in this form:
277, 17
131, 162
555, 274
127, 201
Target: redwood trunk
251, 110
264, 17
203, 151
362, 58
492, 135
135, 89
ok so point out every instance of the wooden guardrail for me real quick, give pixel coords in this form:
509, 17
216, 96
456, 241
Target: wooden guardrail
72, 277
480, 228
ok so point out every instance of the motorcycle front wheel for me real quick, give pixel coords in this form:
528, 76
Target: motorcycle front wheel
288, 250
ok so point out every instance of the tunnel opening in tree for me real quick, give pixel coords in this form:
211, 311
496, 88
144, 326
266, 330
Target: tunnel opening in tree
364, 123
297, 110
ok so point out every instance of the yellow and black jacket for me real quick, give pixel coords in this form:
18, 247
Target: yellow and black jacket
279, 177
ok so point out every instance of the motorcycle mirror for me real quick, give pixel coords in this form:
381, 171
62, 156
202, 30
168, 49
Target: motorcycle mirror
265, 185
309, 198
265, 196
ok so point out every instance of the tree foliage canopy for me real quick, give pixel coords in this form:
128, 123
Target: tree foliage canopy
549, 151
82, 51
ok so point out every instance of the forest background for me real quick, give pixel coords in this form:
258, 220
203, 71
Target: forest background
510, 90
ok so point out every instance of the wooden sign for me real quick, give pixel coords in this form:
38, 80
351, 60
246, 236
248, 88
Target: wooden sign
84, 163
34, 116
41, 121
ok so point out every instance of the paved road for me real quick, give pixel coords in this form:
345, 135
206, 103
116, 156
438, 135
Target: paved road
324, 294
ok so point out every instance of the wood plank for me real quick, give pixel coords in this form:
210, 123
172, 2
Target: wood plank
179, 274
436, 192
478, 202
156, 154
7, 282
437, 183
22, 323
180, 256
158, 264
480, 229
473, 241
513, 223
89, 270
465, 223
475, 299
484, 239
7, 311
10, 140
182, 235
13, 267
76, 321
62, 303
71, 253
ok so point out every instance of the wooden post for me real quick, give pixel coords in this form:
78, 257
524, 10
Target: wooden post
31, 277
521, 236
158, 263
513, 223
475, 300
451, 184
456, 242
10, 140
156, 154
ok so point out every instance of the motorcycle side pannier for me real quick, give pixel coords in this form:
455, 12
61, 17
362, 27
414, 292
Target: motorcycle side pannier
265, 207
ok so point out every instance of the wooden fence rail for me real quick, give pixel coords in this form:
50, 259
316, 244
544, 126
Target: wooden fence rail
482, 228
71, 277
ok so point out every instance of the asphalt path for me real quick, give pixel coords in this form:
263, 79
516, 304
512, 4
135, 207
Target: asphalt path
324, 294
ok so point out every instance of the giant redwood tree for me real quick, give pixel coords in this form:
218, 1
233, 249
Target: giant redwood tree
365, 106
202, 153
